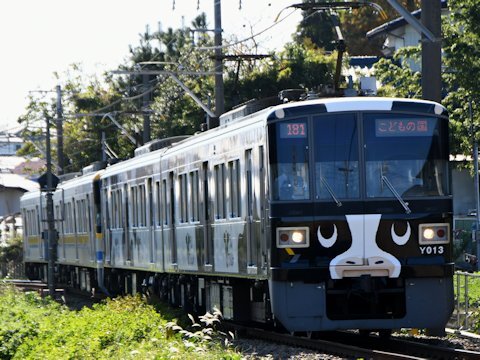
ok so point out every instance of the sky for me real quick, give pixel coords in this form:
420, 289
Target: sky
40, 37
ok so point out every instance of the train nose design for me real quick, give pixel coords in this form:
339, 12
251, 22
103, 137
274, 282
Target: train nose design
364, 257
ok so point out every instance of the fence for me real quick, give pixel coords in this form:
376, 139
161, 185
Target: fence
467, 300
12, 270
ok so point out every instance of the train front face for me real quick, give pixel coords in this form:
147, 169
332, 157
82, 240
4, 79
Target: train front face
360, 216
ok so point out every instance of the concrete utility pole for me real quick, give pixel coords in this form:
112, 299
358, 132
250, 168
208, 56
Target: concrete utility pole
219, 90
51, 232
432, 51
146, 103
59, 124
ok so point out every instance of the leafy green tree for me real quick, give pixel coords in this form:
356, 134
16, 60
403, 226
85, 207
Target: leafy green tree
396, 75
461, 46
297, 66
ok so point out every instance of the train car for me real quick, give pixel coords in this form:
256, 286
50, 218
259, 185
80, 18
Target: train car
35, 247
317, 215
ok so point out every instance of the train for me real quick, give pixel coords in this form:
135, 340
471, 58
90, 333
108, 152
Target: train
315, 215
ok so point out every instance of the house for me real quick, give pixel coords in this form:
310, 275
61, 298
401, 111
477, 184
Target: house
398, 33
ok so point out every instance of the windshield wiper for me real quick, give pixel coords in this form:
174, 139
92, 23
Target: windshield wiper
396, 194
330, 191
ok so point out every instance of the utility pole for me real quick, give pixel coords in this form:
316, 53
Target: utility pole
219, 90
59, 125
51, 232
146, 115
432, 51
475, 237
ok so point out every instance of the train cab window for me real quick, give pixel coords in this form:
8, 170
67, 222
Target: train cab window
405, 154
336, 157
289, 160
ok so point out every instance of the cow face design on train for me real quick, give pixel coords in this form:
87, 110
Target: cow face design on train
364, 257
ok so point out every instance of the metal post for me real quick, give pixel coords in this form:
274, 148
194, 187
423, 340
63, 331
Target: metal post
219, 90
432, 51
59, 124
476, 180
104, 150
51, 233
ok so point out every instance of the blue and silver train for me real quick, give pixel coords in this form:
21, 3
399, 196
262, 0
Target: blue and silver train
313, 215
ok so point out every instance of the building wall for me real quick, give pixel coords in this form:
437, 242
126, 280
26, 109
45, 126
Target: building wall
10, 201
463, 192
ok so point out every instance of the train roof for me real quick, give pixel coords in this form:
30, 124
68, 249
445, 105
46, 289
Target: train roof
363, 103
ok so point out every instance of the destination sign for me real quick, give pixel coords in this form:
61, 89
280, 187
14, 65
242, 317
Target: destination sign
294, 130
404, 127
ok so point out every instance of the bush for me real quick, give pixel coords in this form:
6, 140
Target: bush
122, 328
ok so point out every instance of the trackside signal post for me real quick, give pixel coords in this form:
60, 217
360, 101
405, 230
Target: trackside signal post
48, 182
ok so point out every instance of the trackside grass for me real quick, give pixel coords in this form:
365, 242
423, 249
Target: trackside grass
124, 328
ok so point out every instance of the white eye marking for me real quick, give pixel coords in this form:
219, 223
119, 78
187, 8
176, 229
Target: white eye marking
401, 240
327, 242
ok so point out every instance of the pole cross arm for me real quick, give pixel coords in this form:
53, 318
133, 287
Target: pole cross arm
417, 25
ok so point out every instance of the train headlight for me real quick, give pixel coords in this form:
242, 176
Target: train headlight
293, 237
432, 234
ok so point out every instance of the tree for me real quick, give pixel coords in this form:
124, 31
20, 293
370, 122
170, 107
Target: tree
296, 66
318, 26
461, 46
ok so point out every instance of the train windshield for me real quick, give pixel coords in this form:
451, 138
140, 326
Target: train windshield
406, 154
334, 157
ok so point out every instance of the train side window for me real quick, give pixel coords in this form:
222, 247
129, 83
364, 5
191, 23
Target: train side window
113, 209
79, 220
219, 177
164, 202
141, 206
69, 218
235, 191
119, 209
133, 202
194, 196
183, 198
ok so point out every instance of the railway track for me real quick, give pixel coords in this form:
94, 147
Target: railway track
351, 345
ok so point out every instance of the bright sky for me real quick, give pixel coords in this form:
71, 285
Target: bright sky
40, 37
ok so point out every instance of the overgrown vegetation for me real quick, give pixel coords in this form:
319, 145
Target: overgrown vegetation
123, 328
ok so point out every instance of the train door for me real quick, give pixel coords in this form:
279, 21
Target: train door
127, 255
107, 222
74, 229
263, 217
205, 220
173, 219
90, 228
150, 220
251, 241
